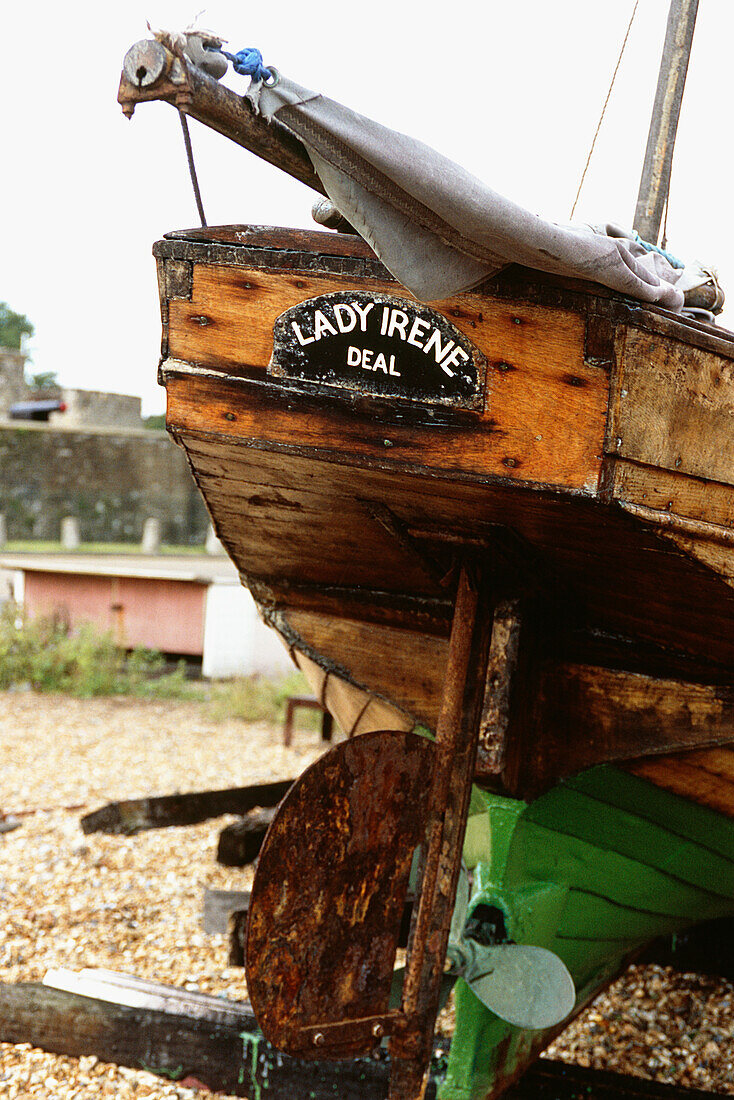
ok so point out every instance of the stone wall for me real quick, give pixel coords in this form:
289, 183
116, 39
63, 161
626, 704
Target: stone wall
111, 480
88, 408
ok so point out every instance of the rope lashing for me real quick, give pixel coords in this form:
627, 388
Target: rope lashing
249, 62
672, 260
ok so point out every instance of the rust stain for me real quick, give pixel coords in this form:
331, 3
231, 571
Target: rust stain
329, 894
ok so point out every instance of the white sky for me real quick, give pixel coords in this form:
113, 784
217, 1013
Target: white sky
511, 89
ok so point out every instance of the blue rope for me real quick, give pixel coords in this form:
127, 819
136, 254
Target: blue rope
248, 62
672, 260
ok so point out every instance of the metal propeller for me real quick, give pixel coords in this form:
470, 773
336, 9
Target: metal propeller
527, 986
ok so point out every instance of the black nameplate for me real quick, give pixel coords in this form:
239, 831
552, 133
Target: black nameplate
381, 346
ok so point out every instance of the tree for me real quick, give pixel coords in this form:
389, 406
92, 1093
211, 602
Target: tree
13, 327
47, 380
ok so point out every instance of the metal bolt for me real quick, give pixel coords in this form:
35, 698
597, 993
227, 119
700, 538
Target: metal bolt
319, 1039
378, 1031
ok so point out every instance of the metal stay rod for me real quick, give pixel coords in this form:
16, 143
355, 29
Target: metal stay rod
656, 169
455, 757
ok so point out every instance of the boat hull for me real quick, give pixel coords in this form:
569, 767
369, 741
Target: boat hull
594, 479
588, 478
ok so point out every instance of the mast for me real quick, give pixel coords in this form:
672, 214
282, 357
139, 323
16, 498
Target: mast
655, 179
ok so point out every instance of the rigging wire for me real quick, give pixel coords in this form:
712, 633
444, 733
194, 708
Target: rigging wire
192, 166
604, 108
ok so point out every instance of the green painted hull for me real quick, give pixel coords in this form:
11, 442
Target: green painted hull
592, 870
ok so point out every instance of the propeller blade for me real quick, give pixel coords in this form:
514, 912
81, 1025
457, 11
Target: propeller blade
527, 986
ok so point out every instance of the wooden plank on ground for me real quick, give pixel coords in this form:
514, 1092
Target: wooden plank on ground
232, 1056
240, 843
227, 1056
129, 990
136, 814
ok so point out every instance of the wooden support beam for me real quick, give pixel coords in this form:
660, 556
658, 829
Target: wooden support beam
500, 691
227, 1054
137, 814
455, 759
240, 842
231, 1056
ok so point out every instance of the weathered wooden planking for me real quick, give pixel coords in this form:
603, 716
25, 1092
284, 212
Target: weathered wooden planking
692, 497
405, 666
612, 714
277, 524
673, 407
225, 1055
705, 776
659, 389
315, 251
549, 349
561, 454
546, 406
615, 715
715, 556
608, 570
318, 241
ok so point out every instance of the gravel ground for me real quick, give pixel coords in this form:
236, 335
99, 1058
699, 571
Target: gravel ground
134, 904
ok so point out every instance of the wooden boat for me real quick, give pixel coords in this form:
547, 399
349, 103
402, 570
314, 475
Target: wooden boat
529, 557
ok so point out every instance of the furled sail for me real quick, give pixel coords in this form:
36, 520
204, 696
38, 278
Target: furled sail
437, 228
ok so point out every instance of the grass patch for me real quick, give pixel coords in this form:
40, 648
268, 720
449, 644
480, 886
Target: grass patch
37, 546
261, 699
45, 655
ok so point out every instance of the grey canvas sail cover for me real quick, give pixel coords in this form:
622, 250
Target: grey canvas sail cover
437, 228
